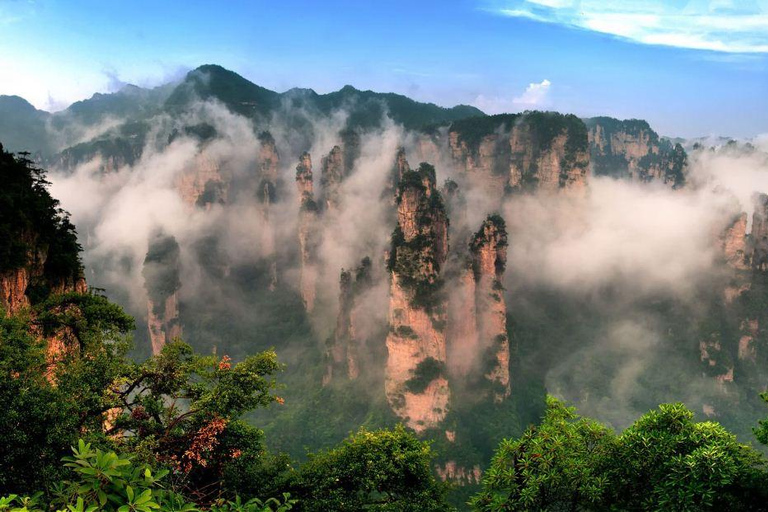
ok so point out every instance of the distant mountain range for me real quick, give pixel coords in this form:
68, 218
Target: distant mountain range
24, 128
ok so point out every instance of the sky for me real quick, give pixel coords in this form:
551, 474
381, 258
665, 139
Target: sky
689, 67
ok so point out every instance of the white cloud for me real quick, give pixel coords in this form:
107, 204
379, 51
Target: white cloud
715, 25
536, 95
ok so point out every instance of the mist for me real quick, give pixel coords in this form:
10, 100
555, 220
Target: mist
610, 253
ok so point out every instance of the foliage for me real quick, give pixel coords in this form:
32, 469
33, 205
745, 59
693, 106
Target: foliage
110, 482
47, 402
665, 461
182, 409
379, 471
425, 372
31, 220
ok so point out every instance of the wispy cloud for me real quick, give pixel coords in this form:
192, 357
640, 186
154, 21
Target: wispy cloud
732, 26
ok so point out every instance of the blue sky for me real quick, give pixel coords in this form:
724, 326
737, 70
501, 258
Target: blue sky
697, 67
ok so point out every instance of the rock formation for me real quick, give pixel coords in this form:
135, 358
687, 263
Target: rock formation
331, 177
510, 152
489, 251
477, 326
202, 184
308, 231
415, 376
161, 280
734, 241
630, 149
343, 350
266, 194
34, 277
401, 167
758, 238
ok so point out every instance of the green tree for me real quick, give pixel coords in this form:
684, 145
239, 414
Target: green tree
664, 461
182, 409
385, 470
55, 364
561, 464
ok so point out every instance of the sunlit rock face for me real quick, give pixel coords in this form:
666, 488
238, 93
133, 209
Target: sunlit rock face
511, 153
630, 149
734, 242
489, 251
161, 280
17, 284
415, 384
308, 231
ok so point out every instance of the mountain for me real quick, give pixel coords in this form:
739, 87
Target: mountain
93, 125
632, 149
23, 127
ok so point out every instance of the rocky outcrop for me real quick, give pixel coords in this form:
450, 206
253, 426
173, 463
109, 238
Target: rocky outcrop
308, 232
749, 330
13, 290
33, 276
266, 195
202, 183
452, 472
477, 326
489, 252
161, 280
521, 152
734, 241
401, 167
343, 348
758, 238
331, 177
630, 149
416, 384
269, 159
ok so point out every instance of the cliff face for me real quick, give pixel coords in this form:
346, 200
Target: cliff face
161, 280
734, 241
308, 231
330, 179
509, 153
266, 194
415, 383
39, 253
17, 284
630, 149
343, 348
202, 184
489, 250
758, 239
401, 167
477, 327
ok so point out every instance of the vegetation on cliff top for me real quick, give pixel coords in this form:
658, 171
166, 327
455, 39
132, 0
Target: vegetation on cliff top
543, 128
32, 224
415, 261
